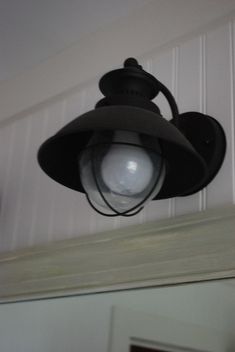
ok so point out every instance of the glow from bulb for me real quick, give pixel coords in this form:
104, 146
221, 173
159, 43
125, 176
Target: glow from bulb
122, 176
126, 170
132, 166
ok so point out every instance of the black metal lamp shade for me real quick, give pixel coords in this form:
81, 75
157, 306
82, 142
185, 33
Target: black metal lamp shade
192, 144
58, 156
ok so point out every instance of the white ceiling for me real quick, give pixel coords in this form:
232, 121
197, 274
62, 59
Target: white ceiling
34, 30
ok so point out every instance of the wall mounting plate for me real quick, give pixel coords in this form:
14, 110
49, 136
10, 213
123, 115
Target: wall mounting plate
208, 138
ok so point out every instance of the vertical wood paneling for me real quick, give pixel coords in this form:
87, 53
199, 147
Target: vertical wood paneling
45, 187
232, 86
14, 179
12, 184
7, 147
188, 99
56, 213
4, 155
19, 196
35, 209
161, 68
203, 107
28, 192
218, 103
40, 124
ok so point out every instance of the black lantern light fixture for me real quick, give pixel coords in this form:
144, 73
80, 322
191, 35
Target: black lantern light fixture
124, 153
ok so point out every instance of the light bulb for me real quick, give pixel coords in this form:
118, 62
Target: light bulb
126, 170
119, 174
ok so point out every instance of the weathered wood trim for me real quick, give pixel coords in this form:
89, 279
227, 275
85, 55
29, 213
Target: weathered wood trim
189, 248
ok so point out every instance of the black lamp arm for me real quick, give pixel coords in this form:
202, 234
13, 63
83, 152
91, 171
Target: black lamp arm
171, 100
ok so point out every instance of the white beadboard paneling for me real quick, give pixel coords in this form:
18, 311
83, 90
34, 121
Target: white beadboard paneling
56, 203
45, 187
218, 105
14, 179
57, 198
23, 175
7, 145
232, 85
161, 68
189, 76
29, 184
188, 99
74, 105
40, 121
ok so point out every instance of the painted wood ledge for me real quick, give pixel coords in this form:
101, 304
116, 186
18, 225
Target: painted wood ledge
184, 249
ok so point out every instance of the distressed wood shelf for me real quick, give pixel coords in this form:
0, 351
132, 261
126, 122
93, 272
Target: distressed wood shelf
184, 249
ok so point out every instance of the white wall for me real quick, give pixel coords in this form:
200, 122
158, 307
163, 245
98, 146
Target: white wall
147, 28
34, 209
83, 323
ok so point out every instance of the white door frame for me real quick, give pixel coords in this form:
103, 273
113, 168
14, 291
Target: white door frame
152, 331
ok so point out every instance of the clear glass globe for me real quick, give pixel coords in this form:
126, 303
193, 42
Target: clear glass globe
120, 177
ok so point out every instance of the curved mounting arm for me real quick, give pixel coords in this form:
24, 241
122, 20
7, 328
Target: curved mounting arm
171, 100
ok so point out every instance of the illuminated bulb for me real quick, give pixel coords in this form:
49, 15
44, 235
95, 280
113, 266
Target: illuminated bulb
126, 170
124, 175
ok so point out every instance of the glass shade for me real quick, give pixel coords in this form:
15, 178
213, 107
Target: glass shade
119, 174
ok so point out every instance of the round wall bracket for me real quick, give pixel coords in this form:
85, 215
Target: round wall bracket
208, 138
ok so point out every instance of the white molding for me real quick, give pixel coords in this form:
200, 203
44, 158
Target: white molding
147, 30
184, 249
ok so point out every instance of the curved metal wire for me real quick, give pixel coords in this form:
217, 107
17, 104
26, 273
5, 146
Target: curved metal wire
171, 100
110, 215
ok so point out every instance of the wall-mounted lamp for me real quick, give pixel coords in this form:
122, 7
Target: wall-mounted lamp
124, 153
